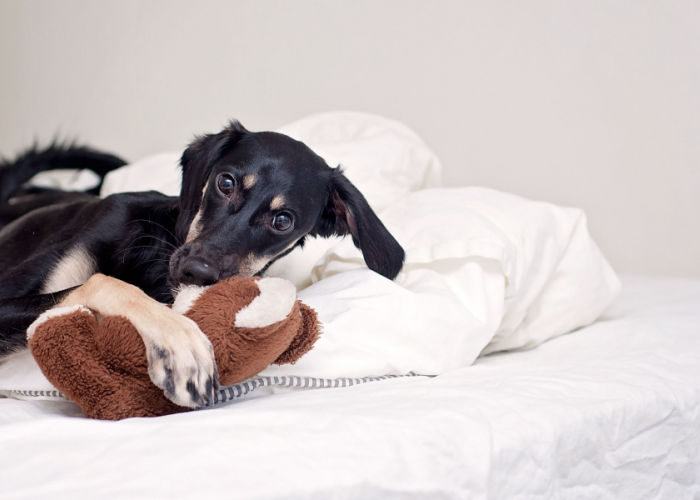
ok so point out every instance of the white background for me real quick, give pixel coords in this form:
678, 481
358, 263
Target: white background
594, 104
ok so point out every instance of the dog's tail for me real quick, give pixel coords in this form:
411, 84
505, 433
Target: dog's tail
15, 173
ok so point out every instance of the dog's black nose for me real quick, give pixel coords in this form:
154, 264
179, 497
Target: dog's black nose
197, 272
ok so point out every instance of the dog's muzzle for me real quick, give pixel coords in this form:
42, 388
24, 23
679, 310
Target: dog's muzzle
191, 265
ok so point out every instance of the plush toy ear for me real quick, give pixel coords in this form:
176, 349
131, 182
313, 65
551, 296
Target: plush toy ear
308, 332
197, 162
347, 212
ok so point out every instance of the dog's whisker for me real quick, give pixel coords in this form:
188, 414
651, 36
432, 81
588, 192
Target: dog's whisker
153, 260
161, 240
158, 224
136, 247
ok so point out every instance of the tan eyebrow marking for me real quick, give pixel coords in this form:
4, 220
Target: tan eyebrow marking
249, 181
277, 202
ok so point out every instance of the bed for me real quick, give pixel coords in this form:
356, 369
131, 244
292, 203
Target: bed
558, 391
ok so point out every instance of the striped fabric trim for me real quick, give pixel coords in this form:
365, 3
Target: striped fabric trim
239, 390
242, 389
27, 394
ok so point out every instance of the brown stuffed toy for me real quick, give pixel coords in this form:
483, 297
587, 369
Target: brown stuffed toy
100, 362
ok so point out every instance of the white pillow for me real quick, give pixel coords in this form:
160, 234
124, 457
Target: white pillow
385, 159
160, 172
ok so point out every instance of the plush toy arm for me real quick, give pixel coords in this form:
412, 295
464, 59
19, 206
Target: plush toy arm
307, 333
100, 365
63, 344
180, 357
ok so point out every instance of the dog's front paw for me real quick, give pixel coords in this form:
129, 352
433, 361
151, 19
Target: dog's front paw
181, 362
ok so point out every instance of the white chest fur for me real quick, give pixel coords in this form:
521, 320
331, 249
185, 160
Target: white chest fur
74, 269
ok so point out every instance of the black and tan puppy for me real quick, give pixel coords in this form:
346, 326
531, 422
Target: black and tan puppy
247, 199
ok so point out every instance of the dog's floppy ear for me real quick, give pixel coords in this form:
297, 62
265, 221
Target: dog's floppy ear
347, 212
197, 162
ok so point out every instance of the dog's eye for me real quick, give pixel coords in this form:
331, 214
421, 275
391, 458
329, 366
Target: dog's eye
226, 184
282, 221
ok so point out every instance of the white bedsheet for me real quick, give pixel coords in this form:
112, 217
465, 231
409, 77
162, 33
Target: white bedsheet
609, 411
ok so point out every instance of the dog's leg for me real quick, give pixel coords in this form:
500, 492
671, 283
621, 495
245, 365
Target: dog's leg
180, 356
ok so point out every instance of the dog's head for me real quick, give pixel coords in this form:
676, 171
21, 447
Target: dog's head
248, 198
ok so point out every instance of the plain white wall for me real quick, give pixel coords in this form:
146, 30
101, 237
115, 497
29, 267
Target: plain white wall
594, 104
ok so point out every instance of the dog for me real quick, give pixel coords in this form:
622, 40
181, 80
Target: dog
247, 199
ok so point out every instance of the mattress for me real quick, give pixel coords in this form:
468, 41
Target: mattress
611, 410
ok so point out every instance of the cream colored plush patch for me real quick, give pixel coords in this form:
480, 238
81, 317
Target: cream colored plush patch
276, 299
186, 297
53, 313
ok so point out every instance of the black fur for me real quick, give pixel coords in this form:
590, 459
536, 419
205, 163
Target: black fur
13, 174
347, 212
142, 238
